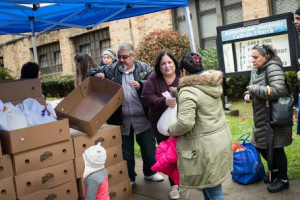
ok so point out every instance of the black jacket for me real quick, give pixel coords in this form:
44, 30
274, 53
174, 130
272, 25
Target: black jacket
141, 72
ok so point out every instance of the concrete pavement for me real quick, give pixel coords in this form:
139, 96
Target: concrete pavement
148, 190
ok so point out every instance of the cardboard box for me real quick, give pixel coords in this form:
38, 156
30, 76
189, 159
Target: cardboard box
6, 168
114, 156
43, 157
79, 167
7, 189
120, 191
108, 135
117, 173
67, 191
35, 136
80, 187
90, 105
19, 90
42, 179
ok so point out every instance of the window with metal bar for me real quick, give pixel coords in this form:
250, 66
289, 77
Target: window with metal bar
284, 6
49, 57
93, 43
231, 12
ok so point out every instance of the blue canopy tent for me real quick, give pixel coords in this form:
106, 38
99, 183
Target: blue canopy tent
31, 18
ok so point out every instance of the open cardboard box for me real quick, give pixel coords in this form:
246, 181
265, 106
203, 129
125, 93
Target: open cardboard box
91, 104
34, 136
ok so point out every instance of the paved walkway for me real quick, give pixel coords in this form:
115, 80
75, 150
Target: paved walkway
147, 190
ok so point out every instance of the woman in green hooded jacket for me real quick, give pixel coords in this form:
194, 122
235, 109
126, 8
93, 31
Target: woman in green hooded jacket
204, 145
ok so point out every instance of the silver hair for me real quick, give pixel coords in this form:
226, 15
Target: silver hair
265, 50
126, 46
260, 49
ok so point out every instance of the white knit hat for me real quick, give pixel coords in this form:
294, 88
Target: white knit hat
94, 159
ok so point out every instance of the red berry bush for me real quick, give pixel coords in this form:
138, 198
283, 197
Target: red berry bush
159, 40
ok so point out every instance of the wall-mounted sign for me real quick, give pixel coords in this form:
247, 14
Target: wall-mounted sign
235, 43
255, 30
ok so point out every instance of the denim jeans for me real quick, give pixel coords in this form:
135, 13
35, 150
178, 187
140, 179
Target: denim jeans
214, 193
147, 142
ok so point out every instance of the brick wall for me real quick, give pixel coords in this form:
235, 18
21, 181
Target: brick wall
18, 51
253, 9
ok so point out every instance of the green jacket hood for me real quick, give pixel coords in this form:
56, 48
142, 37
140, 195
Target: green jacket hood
208, 82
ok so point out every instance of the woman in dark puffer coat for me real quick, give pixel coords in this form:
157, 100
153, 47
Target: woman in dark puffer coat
264, 61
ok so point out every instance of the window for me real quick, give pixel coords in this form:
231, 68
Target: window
43, 61
1, 62
284, 6
49, 56
229, 11
180, 20
57, 58
104, 44
85, 48
232, 11
93, 43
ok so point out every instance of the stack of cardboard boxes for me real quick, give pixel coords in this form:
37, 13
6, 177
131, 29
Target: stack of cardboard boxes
41, 156
110, 138
45, 161
88, 107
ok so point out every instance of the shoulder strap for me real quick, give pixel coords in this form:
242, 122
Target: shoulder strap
286, 83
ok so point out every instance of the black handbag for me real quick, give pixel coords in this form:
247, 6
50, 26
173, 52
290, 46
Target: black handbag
281, 108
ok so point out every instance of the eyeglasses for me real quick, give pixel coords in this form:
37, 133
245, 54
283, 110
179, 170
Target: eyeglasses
123, 56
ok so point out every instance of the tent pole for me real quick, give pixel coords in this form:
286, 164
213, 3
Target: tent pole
34, 42
190, 28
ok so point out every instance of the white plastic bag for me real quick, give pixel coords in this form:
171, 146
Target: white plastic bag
167, 118
36, 113
11, 117
53, 103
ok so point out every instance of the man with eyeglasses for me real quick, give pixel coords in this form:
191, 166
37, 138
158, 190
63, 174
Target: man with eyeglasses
131, 116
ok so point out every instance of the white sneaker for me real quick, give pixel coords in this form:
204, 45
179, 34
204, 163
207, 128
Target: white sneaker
155, 177
174, 193
132, 183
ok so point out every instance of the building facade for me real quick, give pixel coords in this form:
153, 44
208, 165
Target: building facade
57, 49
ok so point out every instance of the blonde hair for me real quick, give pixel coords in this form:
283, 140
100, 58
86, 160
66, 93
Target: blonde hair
86, 64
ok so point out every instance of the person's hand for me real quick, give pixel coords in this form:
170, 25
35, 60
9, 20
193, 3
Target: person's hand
247, 98
171, 90
100, 75
135, 84
171, 103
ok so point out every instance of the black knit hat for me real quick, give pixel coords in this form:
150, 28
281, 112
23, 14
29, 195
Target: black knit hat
297, 12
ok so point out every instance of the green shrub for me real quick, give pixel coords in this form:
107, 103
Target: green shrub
209, 58
237, 86
57, 85
5, 74
159, 40
291, 78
